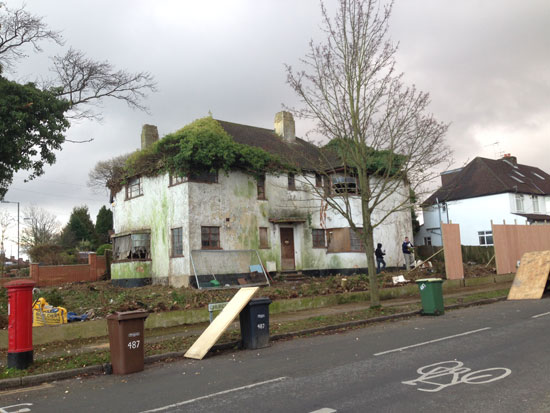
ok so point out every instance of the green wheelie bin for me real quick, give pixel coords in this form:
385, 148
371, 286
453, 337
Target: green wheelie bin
431, 294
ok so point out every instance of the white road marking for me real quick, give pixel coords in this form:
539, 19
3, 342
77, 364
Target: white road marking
249, 386
454, 372
13, 406
324, 410
432, 341
540, 315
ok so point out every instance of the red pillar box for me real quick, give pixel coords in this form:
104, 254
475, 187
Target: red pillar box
20, 353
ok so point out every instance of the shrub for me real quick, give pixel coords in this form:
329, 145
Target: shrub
101, 249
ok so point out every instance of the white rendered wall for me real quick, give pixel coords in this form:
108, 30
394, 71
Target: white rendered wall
473, 215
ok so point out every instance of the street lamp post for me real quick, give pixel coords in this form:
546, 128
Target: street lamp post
15, 202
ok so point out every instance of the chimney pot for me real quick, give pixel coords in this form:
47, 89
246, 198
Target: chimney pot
284, 126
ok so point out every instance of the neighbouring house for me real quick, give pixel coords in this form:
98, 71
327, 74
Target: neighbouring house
485, 190
161, 220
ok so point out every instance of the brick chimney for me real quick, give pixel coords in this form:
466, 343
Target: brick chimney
509, 158
284, 126
149, 135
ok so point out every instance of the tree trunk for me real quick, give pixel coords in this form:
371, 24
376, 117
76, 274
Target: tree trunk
373, 279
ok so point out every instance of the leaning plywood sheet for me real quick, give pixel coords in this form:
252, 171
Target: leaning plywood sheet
531, 277
209, 337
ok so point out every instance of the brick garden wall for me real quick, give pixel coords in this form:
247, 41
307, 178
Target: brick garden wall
50, 275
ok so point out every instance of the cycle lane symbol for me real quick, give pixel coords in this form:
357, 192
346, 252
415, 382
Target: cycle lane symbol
439, 376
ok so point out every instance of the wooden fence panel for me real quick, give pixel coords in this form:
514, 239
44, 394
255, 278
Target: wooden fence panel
512, 241
453, 252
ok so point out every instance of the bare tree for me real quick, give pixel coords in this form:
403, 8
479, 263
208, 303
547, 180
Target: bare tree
385, 142
84, 81
106, 173
41, 228
6, 222
19, 28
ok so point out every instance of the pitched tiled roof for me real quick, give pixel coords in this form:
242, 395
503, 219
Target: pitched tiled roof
300, 153
484, 176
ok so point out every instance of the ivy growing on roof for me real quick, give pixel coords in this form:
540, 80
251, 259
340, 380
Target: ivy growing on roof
201, 146
378, 162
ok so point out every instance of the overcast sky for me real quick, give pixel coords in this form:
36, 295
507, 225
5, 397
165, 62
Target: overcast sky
485, 64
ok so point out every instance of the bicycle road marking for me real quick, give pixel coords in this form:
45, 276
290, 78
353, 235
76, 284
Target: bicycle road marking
452, 372
24, 408
208, 396
540, 315
432, 341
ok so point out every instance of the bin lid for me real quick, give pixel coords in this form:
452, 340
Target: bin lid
128, 315
260, 301
25, 283
430, 280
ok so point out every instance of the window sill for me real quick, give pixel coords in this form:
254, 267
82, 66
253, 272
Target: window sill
132, 260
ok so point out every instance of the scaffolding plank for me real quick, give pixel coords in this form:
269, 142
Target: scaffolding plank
214, 331
530, 280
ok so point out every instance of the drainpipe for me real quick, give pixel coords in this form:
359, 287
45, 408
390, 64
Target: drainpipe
439, 212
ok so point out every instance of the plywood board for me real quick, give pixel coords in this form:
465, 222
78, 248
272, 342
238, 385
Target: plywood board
531, 277
454, 268
214, 331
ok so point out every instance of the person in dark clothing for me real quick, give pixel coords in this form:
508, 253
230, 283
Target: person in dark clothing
380, 258
408, 253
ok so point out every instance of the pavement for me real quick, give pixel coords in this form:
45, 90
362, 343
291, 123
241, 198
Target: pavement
159, 335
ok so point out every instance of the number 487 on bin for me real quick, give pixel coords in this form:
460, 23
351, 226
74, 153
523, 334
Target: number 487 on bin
133, 344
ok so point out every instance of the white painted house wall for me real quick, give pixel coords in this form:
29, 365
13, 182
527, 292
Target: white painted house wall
232, 205
475, 214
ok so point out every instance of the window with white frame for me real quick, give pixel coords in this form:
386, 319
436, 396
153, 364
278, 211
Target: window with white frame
132, 247
535, 203
427, 240
177, 242
485, 238
519, 202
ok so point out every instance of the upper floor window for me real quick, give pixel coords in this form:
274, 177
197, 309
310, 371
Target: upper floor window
535, 203
134, 188
485, 237
427, 240
261, 187
519, 202
204, 177
210, 238
318, 237
176, 179
318, 180
177, 242
344, 184
291, 182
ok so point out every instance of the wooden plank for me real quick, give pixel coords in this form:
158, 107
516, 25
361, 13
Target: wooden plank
454, 269
214, 331
531, 277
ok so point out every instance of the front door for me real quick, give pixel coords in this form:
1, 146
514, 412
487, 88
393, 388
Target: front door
287, 249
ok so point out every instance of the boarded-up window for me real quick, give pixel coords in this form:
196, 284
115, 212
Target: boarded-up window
344, 240
261, 187
264, 243
177, 242
318, 236
210, 238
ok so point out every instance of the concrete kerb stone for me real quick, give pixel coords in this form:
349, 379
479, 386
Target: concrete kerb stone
25, 381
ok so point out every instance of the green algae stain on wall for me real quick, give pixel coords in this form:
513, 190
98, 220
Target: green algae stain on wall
249, 237
131, 269
335, 262
248, 191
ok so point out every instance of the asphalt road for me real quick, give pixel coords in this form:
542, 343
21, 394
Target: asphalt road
493, 358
